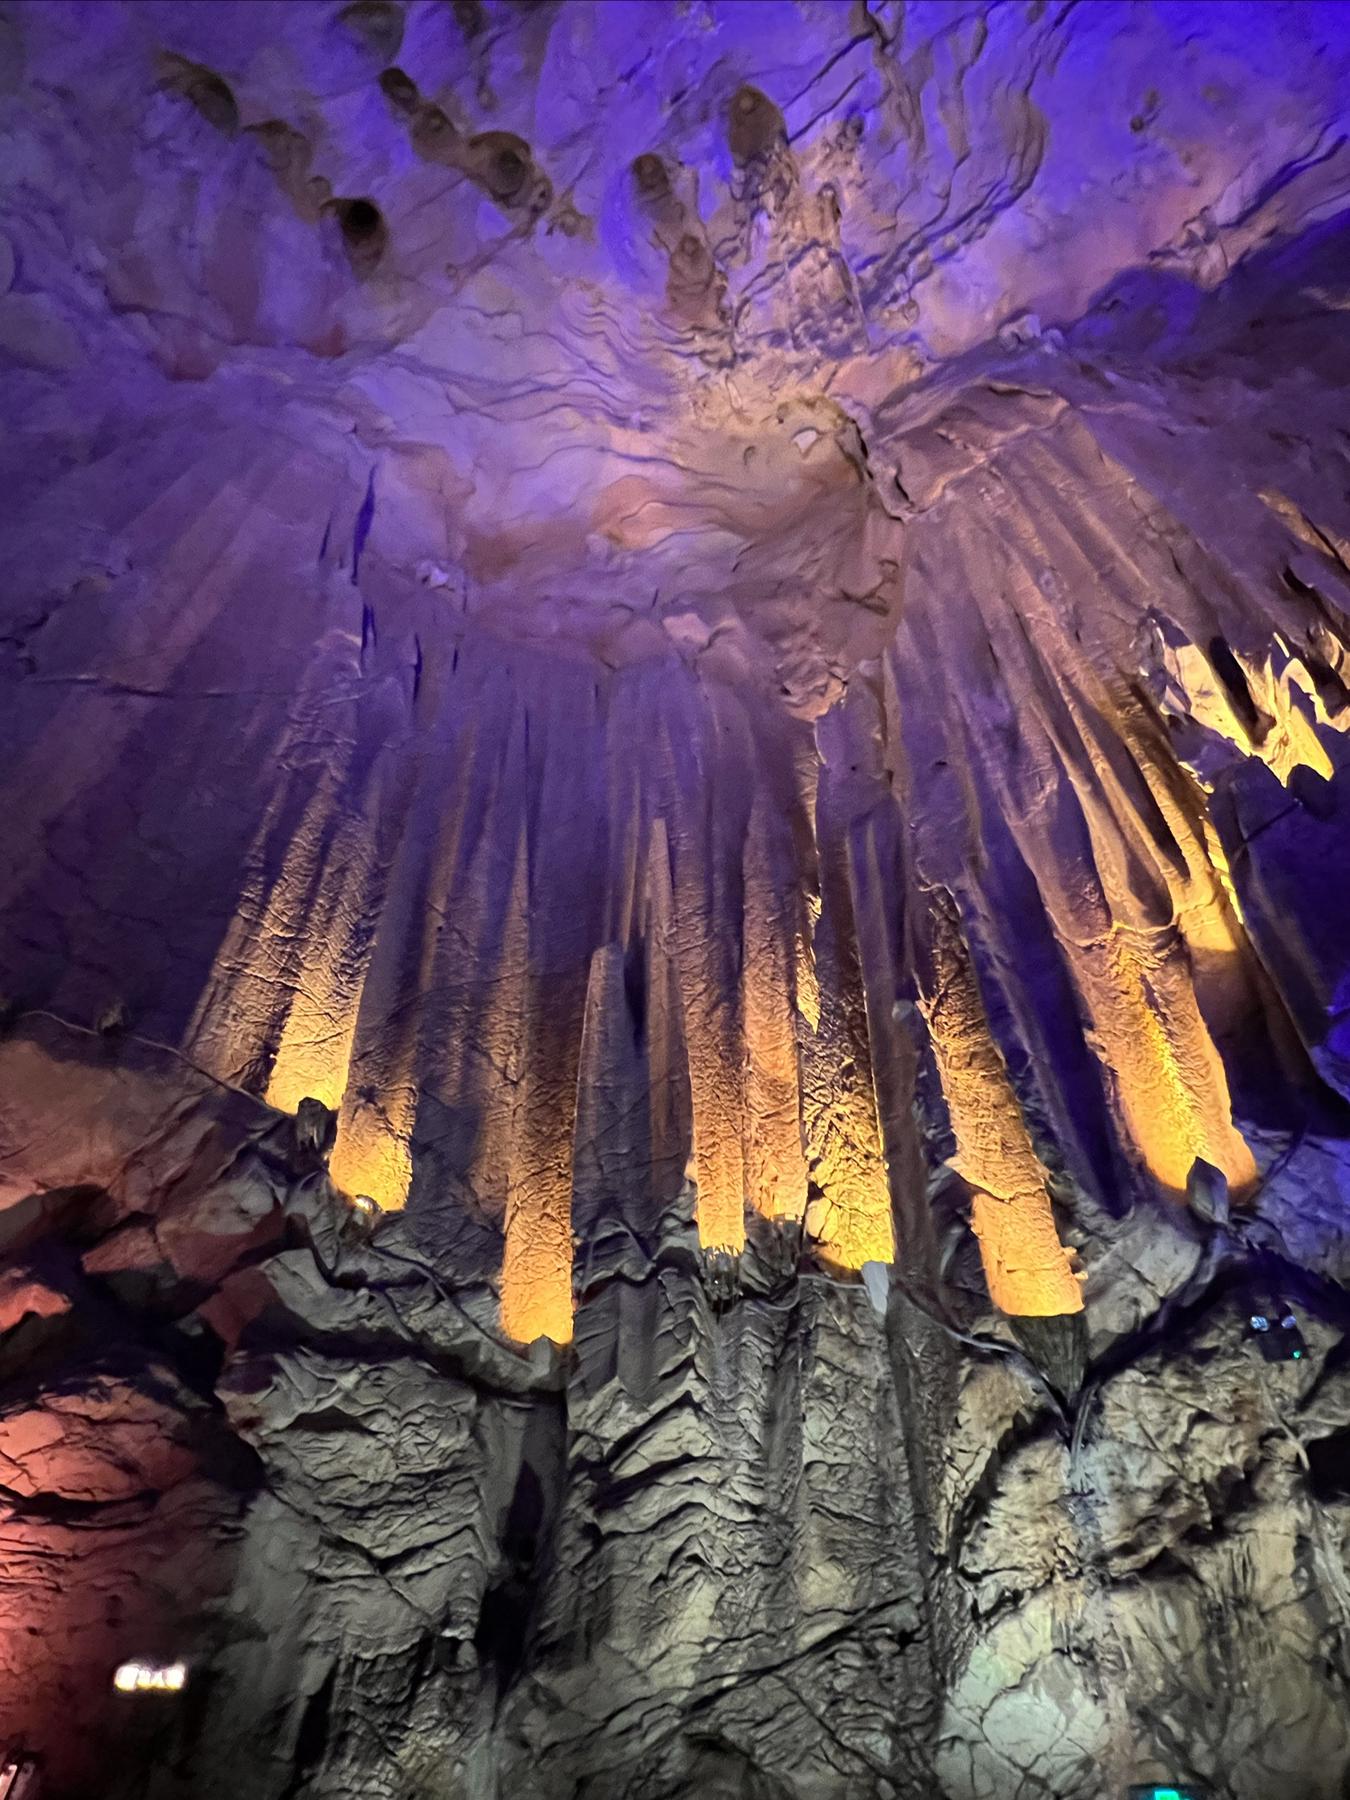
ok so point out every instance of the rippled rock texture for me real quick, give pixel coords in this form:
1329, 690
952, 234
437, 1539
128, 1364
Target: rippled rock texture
675, 947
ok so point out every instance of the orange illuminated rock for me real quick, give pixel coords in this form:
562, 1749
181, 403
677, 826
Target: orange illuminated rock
1025, 1264
776, 1168
714, 1042
1170, 1080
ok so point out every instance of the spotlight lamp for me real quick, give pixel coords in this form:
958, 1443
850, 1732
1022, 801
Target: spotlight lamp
18, 1776
362, 1214
147, 1678
1277, 1334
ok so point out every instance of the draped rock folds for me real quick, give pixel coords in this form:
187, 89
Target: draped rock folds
675, 751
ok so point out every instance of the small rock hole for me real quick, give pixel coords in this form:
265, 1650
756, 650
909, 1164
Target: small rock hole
508, 171
649, 172
399, 89
1230, 673
1329, 1466
361, 220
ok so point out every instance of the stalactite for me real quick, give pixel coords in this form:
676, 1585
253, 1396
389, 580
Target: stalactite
284, 990
1025, 1265
1266, 705
325, 911
710, 1004
1134, 978
537, 1259
669, 1107
373, 1154
851, 1218
876, 886
1112, 892
776, 1169
612, 1166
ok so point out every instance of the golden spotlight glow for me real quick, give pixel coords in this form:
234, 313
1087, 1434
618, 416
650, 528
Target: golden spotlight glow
851, 1225
775, 1164
537, 1274
1167, 1073
715, 1052
370, 1158
313, 1057
1025, 1265
1286, 694
1288, 705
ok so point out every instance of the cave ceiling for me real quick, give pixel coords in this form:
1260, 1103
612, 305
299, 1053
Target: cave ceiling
626, 316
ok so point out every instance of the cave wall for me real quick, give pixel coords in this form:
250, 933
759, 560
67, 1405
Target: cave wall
674, 937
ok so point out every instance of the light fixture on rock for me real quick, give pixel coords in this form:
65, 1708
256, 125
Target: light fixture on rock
1149, 1790
150, 1678
19, 1778
1277, 1334
362, 1212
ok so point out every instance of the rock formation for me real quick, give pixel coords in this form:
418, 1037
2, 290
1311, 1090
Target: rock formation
675, 908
